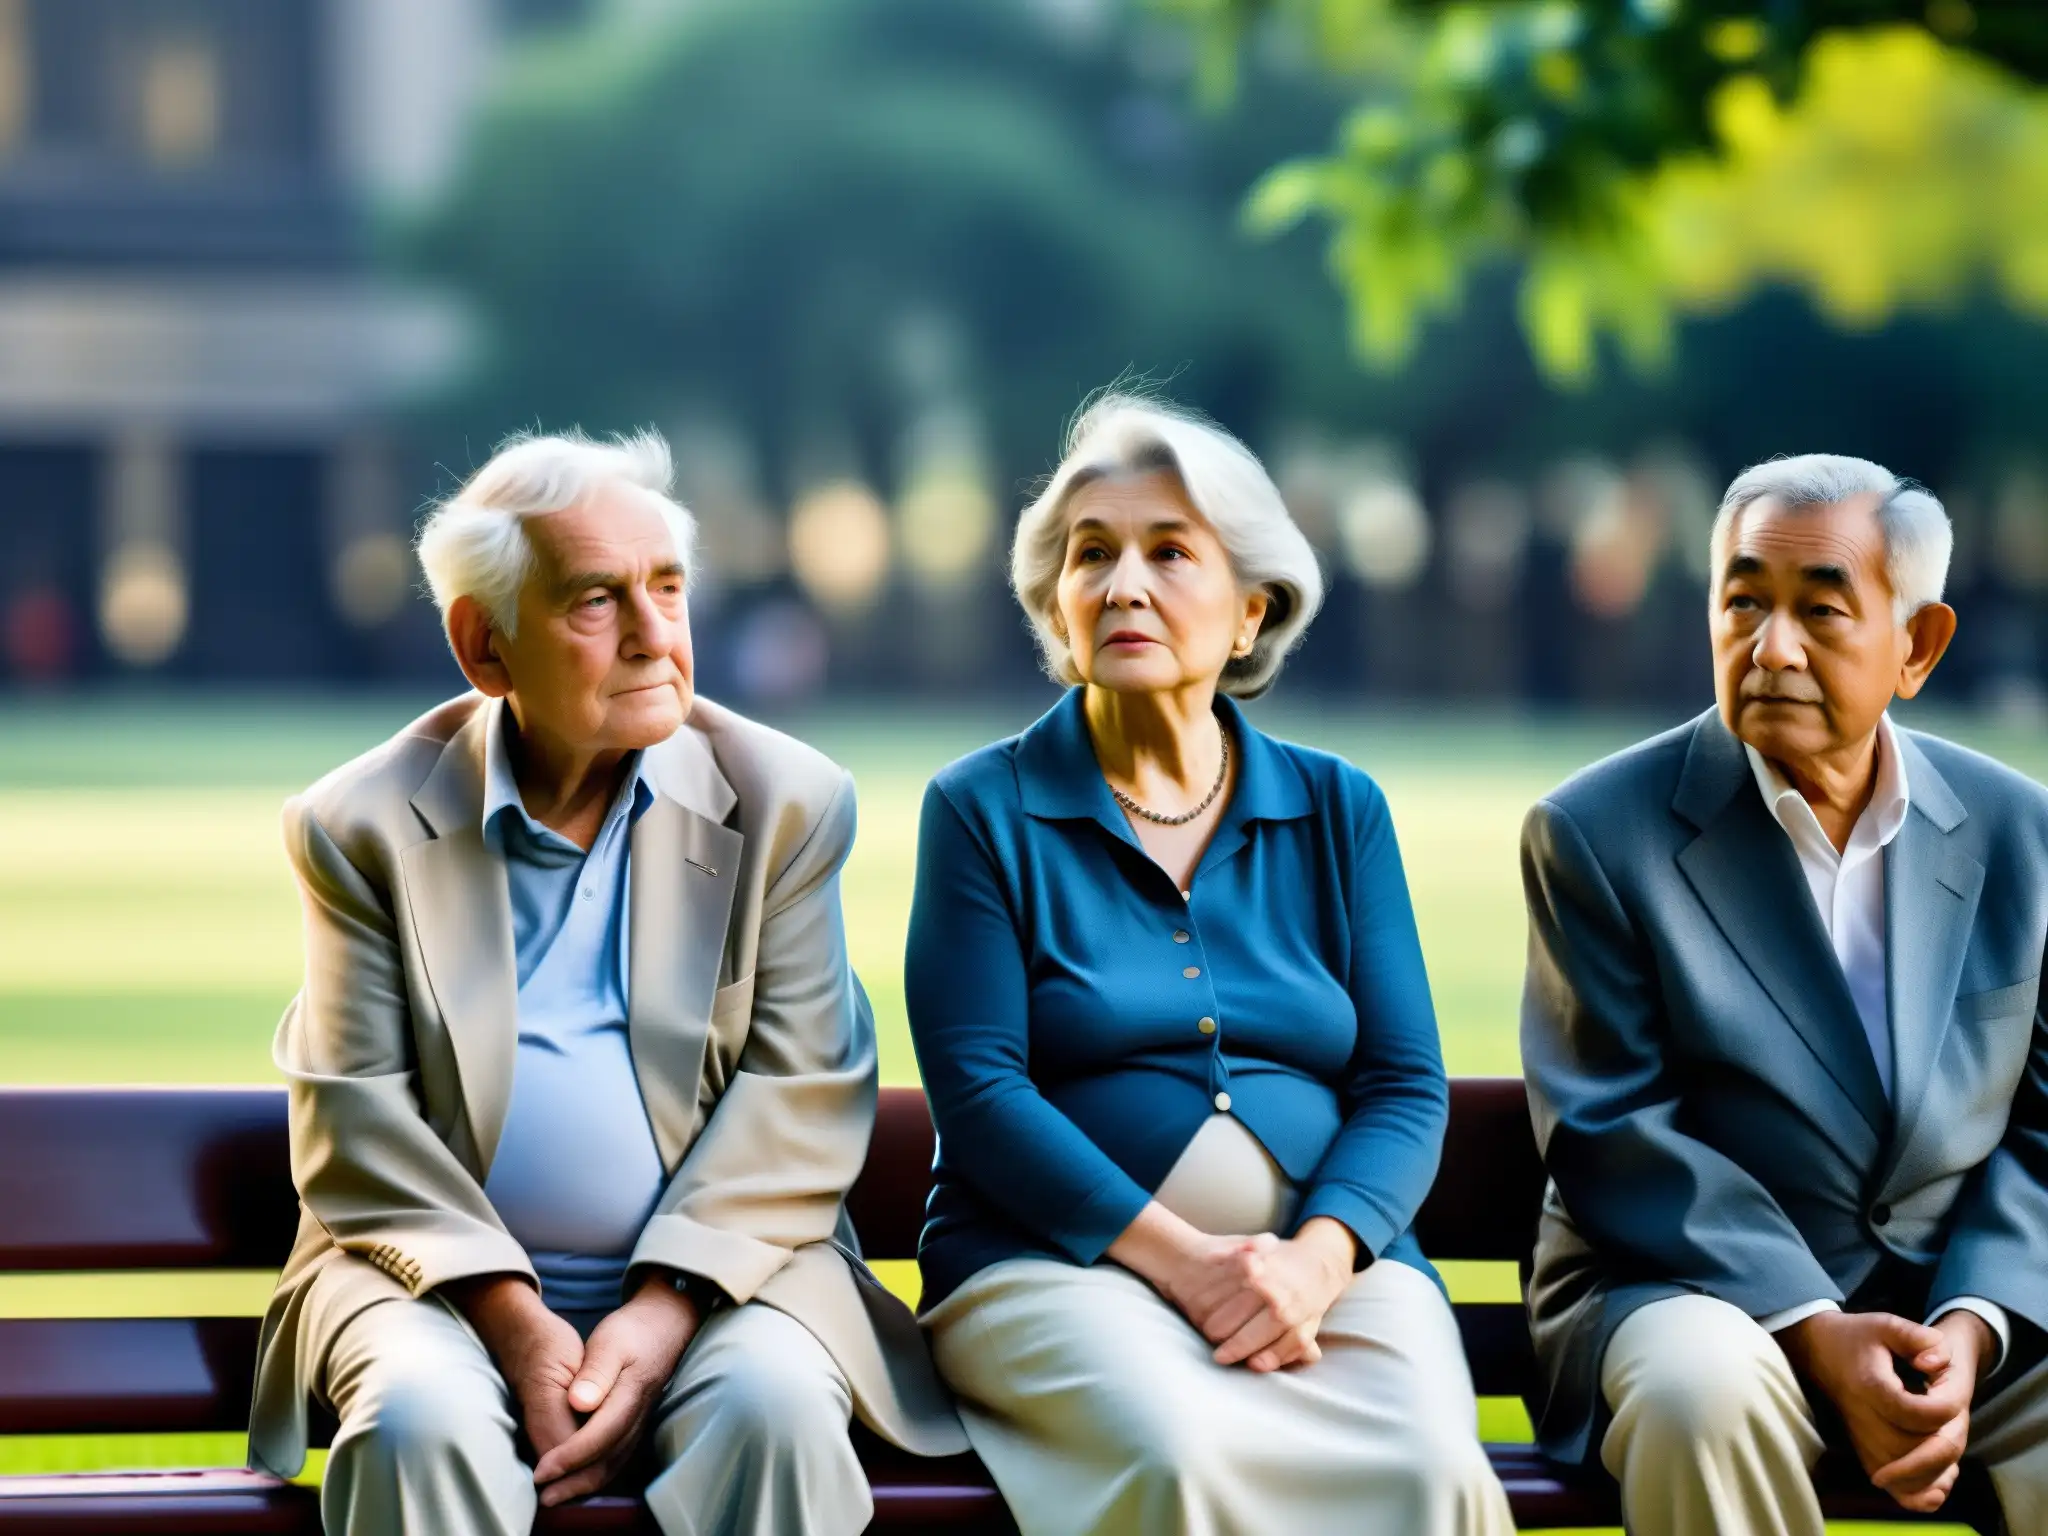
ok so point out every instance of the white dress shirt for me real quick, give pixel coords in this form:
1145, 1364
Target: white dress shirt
1848, 889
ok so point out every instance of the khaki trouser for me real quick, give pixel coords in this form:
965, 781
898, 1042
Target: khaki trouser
1097, 1408
1712, 1435
751, 1432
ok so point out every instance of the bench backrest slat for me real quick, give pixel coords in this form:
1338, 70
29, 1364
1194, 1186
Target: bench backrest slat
199, 1178
92, 1376
144, 1178
174, 1178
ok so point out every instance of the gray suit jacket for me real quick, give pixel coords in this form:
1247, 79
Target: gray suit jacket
1704, 1095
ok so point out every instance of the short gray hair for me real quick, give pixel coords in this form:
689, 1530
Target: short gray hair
1120, 432
1918, 538
474, 543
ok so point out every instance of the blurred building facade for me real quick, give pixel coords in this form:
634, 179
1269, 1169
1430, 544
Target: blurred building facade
221, 406
197, 360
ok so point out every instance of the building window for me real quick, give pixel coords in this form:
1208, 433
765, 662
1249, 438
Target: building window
15, 75
175, 87
180, 101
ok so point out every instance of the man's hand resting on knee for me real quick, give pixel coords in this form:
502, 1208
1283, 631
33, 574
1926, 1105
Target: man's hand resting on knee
627, 1362
1911, 1443
537, 1352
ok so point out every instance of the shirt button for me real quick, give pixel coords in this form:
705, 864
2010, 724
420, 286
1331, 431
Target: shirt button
1222, 1102
1206, 1025
1180, 935
586, 893
1191, 971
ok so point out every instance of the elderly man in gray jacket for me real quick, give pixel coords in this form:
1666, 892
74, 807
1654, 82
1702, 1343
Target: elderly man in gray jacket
1785, 1044
580, 1074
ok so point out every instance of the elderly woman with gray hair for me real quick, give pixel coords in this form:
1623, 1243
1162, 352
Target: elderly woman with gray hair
1168, 999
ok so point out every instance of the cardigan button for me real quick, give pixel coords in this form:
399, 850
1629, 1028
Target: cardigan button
1191, 971
1222, 1103
1187, 895
1180, 935
1206, 1025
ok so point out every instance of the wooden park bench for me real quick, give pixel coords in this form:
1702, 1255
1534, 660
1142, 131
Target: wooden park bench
198, 1179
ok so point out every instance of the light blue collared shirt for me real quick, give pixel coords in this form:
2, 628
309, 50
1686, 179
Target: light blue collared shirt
577, 1172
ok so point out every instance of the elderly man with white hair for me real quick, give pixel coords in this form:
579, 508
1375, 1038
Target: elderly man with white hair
579, 1072
1167, 994
1787, 1054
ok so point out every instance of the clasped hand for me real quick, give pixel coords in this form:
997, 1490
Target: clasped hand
1260, 1299
585, 1405
1910, 1443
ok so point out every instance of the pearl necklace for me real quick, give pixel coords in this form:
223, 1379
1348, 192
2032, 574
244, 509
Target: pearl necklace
1222, 773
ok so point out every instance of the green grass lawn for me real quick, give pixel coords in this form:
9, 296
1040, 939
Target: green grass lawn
149, 929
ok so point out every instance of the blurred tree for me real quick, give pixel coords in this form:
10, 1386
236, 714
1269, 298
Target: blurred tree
1643, 157
799, 215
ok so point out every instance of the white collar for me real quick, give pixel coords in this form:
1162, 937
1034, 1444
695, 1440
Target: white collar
1889, 801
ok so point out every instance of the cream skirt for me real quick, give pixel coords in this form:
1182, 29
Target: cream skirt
1097, 1408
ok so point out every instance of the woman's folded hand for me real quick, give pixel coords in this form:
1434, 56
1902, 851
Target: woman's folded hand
1259, 1299
1290, 1285
1197, 1272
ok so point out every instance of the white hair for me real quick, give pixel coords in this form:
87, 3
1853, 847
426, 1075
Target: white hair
1124, 433
474, 543
1918, 539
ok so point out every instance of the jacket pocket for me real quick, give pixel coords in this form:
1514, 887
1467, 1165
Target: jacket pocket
732, 1012
735, 998
2021, 997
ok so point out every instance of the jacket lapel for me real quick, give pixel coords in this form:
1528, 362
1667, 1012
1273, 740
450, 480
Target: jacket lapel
1931, 892
1747, 875
685, 869
462, 917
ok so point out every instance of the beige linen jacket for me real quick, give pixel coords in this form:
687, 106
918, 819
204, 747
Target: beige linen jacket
752, 1039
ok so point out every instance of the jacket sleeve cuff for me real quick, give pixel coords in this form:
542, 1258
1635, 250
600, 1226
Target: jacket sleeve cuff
422, 1261
738, 1265
1373, 1228
1994, 1318
1777, 1322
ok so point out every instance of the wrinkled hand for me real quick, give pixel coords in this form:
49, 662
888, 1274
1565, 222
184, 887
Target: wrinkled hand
1206, 1274
537, 1353
1910, 1443
628, 1361
1259, 1299
1196, 1272
1288, 1287
1921, 1479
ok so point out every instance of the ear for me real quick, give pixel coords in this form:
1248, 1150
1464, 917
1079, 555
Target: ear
1929, 631
478, 648
1256, 606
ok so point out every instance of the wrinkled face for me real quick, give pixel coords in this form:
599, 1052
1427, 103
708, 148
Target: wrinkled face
1808, 651
602, 658
1147, 599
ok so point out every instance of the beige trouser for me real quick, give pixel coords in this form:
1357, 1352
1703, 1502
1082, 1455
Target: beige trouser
1097, 1408
1712, 1435
751, 1432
